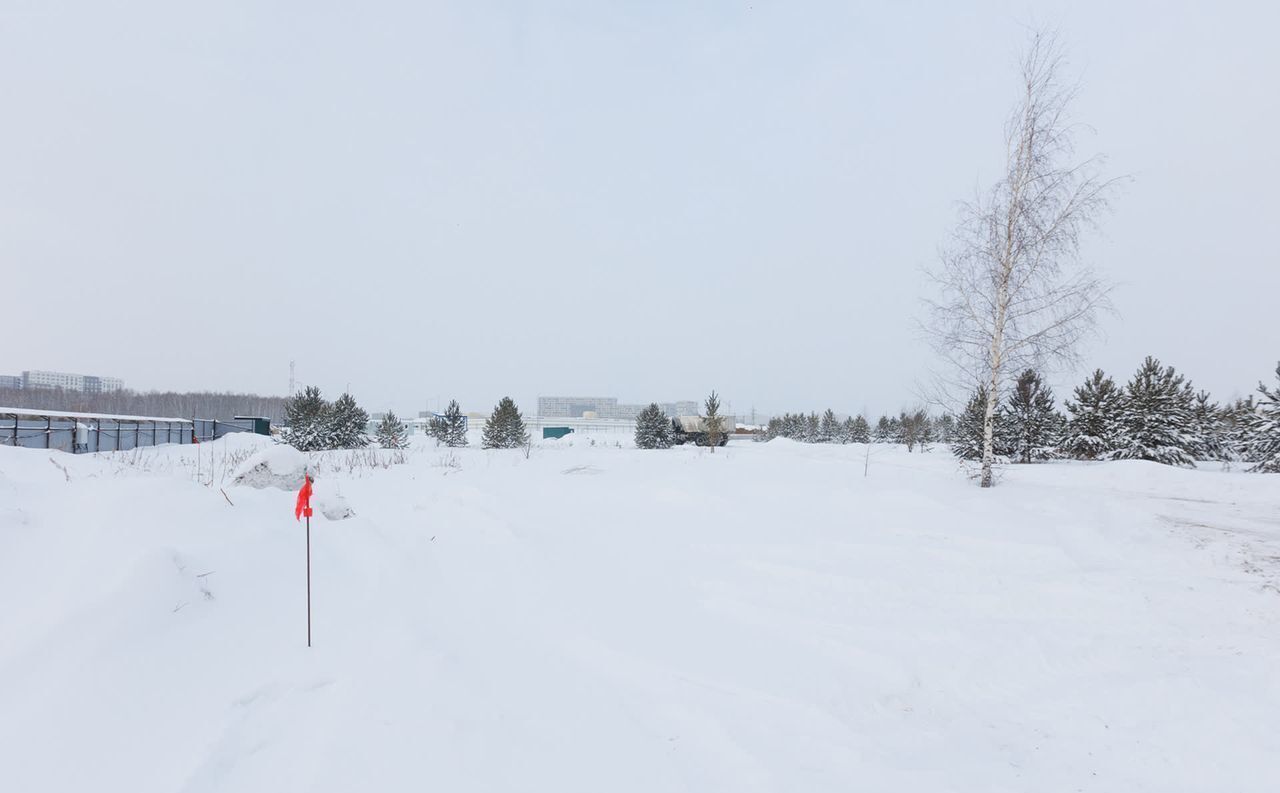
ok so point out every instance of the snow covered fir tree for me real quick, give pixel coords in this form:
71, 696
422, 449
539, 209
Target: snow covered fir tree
1031, 427
450, 429
1155, 417
1093, 428
828, 428
858, 430
1263, 446
307, 421
653, 428
347, 424
504, 429
1208, 429
391, 432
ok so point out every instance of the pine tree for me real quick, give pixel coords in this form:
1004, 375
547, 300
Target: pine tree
713, 421
653, 428
771, 430
828, 427
1032, 425
1155, 417
812, 428
860, 432
1236, 421
883, 433
896, 434
1095, 418
453, 426
504, 429
1209, 433
307, 422
944, 428
392, 433
437, 428
1264, 431
348, 423
966, 441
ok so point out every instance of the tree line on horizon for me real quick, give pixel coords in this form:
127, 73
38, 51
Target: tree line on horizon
219, 405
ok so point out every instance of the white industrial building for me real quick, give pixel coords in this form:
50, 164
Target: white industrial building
569, 407
91, 384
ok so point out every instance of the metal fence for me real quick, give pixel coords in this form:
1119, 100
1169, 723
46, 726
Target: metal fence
91, 432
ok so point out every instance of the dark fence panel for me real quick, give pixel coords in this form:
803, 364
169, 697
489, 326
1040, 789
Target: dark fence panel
211, 429
88, 434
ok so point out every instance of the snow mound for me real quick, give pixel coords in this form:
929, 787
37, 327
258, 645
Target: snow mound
329, 502
243, 441
277, 466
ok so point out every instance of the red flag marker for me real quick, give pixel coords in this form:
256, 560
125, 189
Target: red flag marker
304, 500
303, 508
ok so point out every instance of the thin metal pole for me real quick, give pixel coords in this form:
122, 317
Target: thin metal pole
308, 580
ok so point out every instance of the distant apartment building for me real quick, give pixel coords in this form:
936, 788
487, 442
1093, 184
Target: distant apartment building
567, 407
10, 381
88, 383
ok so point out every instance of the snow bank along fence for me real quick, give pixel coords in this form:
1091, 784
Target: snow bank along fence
98, 432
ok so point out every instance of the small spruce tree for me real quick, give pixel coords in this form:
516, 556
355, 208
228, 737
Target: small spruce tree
860, 432
1032, 425
1236, 420
392, 433
1155, 417
306, 418
828, 428
504, 429
1209, 432
348, 423
896, 434
1263, 447
884, 432
713, 421
944, 427
1093, 427
653, 428
453, 426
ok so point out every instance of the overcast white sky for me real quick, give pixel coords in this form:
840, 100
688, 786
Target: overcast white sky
643, 199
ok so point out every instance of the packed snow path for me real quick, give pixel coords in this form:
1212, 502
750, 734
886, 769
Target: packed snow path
765, 618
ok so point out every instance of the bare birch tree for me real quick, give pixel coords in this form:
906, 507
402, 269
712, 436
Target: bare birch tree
1013, 293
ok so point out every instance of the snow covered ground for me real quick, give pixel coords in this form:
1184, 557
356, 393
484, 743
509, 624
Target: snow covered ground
595, 618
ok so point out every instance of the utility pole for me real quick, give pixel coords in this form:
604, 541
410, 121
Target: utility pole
292, 388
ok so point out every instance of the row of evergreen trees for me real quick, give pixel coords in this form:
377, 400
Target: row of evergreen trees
504, 429
915, 429
1158, 415
314, 424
